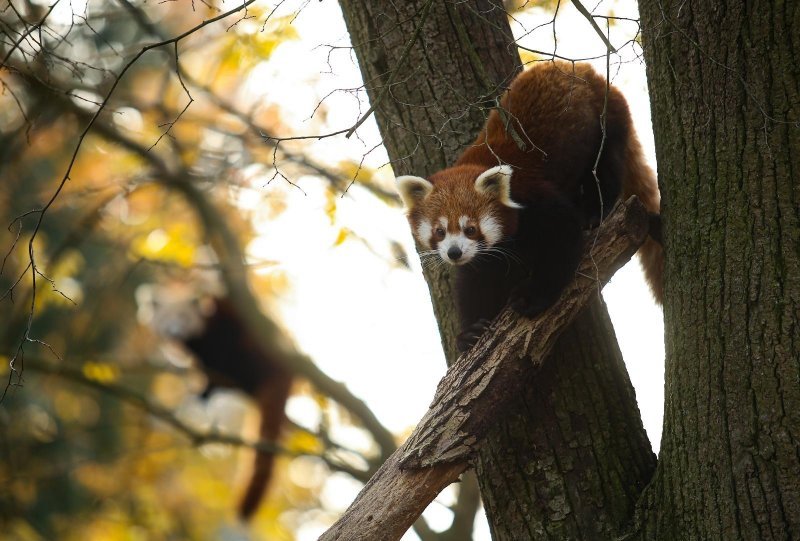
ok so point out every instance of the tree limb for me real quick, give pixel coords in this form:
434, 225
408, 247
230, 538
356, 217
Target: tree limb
475, 390
585, 12
170, 418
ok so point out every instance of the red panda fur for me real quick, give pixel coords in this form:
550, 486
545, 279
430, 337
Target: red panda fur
640, 180
232, 358
526, 189
214, 333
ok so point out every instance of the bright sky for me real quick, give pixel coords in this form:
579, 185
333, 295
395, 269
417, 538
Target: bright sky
362, 318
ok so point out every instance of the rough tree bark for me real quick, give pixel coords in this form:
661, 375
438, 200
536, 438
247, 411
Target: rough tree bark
570, 459
724, 82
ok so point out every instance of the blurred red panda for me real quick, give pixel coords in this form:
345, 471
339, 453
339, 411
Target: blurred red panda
212, 331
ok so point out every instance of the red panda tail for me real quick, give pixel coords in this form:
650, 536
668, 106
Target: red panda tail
271, 397
640, 180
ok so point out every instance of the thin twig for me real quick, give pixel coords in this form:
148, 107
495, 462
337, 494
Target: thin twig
403, 56
585, 12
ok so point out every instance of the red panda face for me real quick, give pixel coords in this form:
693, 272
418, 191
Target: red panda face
175, 311
461, 211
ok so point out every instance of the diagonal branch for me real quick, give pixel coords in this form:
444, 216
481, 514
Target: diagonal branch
474, 392
170, 418
585, 12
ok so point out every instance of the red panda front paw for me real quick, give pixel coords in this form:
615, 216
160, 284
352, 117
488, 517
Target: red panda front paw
469, 336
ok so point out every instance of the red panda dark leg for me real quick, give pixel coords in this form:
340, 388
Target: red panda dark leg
530, 271
550, 242
482, 290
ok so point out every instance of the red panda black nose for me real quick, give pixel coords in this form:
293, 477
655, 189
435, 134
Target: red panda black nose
454, 253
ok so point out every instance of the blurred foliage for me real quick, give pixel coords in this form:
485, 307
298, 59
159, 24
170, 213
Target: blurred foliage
78, 462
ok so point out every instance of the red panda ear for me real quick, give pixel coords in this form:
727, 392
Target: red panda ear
497, 183
413, 189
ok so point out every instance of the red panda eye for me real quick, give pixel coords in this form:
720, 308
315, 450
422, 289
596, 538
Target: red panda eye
470, 231
439, 233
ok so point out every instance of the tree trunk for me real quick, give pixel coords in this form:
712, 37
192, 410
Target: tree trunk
438, 96
571, 459
725, 92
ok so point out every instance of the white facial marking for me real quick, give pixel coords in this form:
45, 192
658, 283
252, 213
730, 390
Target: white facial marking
462, 221
491, 229
172, 312
424, 232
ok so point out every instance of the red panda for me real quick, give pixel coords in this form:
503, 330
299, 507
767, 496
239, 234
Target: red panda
212, 330
509, 214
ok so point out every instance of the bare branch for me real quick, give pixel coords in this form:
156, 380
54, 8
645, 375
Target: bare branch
585, 12
27, 32
167, 416
336, 179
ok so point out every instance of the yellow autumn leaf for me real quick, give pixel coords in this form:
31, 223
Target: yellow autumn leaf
100, 372
242, 51
301, 441
529, 57
355, 171
270, 282
343, 235
330, 205
175, 243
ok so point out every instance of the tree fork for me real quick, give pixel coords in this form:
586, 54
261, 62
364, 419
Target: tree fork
477, 389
